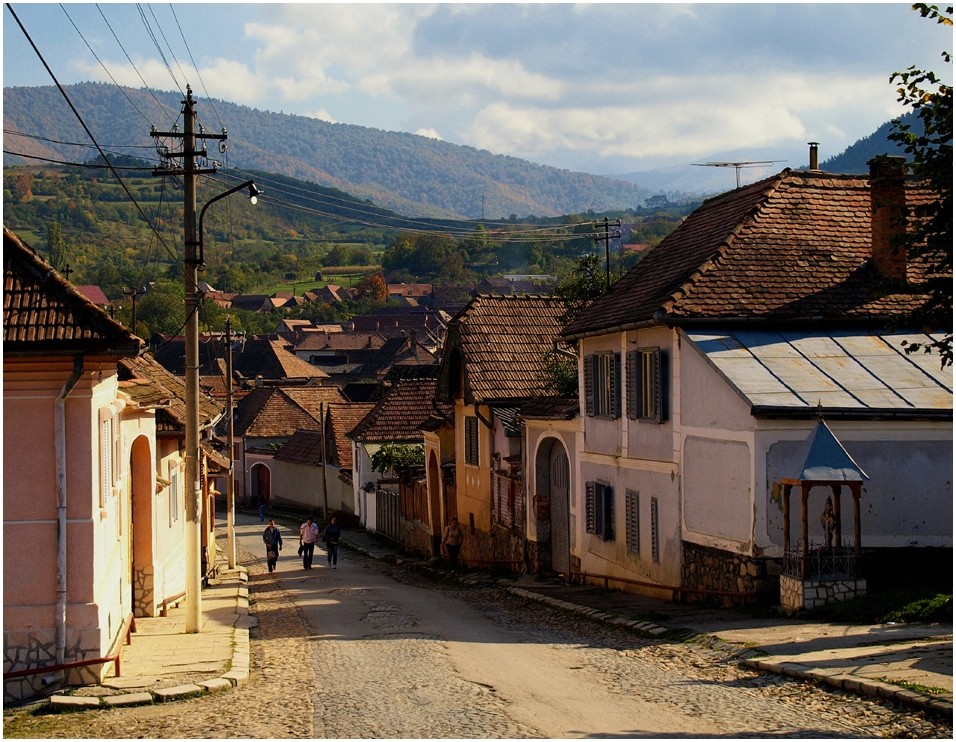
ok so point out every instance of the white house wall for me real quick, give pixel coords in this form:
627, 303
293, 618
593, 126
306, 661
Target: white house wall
907, 501
630, 455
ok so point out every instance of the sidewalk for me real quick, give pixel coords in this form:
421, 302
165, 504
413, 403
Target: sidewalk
902, 663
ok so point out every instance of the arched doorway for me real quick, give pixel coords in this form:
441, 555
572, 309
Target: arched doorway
142, 568
552, 504
261, 484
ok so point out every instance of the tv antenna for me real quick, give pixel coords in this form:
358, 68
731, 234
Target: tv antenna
738, 166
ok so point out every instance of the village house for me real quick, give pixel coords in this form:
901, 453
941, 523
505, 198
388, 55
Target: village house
265, 420
383, 505
313, 469
92, 441
493, 364
704, 370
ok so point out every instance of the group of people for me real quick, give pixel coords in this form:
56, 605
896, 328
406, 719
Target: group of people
309, 534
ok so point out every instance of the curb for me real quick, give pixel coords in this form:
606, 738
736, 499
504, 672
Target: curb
236, 676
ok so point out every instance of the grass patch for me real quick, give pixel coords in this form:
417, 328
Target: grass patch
916, 687
903, 605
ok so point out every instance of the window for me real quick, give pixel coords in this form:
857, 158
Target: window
174, 498
632, 521
107, 453
655, 533
602, 382
599, 510
471, 440
646, 385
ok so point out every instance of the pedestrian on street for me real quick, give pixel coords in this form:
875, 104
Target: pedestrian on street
308, 535
262, 509
273, 541
331, 539
451, 542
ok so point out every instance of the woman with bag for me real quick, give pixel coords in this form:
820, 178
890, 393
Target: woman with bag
273, 541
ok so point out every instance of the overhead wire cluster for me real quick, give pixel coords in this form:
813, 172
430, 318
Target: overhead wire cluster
341, 211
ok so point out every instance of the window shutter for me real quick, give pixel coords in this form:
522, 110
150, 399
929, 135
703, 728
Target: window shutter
630, 383
632, 525
616, 386
608, 520
663, 386
589, 520
589, 385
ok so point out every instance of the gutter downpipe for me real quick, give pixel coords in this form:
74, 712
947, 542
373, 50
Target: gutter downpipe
61, 500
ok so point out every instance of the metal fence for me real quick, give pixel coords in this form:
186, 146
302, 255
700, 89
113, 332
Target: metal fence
820, 562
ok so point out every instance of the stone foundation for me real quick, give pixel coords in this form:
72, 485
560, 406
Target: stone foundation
797, 595
705, 568
23, 650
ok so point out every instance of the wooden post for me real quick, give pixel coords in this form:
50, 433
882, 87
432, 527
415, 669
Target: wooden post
837, 516
804, 528
857, 542
786, 517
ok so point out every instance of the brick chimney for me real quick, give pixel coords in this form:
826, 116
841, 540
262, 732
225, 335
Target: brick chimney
888, 216
814, 155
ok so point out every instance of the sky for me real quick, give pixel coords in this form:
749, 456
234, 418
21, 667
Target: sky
601, 88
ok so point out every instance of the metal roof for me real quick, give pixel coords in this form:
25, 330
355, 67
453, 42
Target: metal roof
825, 459
835, 370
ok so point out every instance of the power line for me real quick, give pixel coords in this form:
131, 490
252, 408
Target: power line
172, 9
159, 48
162, 107
109, 74
85, 127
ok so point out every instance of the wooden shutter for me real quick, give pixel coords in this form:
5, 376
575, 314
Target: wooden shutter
630, 383
589, 514
608, 513
589, 385
632, 524
616, 385
663, 385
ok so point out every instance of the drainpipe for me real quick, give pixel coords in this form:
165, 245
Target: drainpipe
60, 448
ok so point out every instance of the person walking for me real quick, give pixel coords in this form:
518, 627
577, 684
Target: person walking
272, 538
262, 509
308, 535
331, 539
451, 542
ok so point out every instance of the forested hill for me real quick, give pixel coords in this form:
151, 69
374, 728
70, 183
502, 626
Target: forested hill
854, 158
410, 174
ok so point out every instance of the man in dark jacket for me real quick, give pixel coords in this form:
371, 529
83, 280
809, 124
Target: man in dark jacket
273, 541
331, 539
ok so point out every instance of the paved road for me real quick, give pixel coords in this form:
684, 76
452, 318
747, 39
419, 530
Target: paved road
372, 650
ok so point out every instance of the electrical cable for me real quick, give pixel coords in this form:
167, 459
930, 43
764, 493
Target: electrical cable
108, 73
162, 107
189, 51
159, 48
85, 127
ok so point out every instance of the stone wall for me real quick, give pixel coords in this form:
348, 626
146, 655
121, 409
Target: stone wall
707, 568
503, 547
23, 650
798, 595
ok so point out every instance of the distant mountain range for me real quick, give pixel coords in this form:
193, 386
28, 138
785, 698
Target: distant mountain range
408, 173
704, 179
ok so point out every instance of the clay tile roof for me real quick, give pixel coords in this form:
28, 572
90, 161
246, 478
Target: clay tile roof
398, 416
44, 313
343, 418
794, 246
500, 342
304, 447
151, 385
277, 412
271, 359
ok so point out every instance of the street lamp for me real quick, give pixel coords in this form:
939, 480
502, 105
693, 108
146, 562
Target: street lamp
253, 199
193, 261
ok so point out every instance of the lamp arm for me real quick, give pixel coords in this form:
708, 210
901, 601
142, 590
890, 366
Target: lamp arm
253, 191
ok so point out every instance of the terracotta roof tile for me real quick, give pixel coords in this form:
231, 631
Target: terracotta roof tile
792, 247
169, 390
44, 313
277, 412
304, 447
398, 416
501, 342
343, 418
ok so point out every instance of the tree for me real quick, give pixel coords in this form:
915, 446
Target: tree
393, 457
56, 246
583, 285
931, 151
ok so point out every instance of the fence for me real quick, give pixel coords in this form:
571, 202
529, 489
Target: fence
821, 562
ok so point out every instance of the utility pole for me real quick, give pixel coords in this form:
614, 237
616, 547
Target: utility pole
606, 238
230, 438
189, 171
325, 463
132, 294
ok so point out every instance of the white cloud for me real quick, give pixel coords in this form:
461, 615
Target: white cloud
323, 115
430, 133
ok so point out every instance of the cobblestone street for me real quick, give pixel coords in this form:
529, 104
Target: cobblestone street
334, 658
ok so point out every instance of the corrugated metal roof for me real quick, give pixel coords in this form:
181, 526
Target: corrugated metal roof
850, 369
